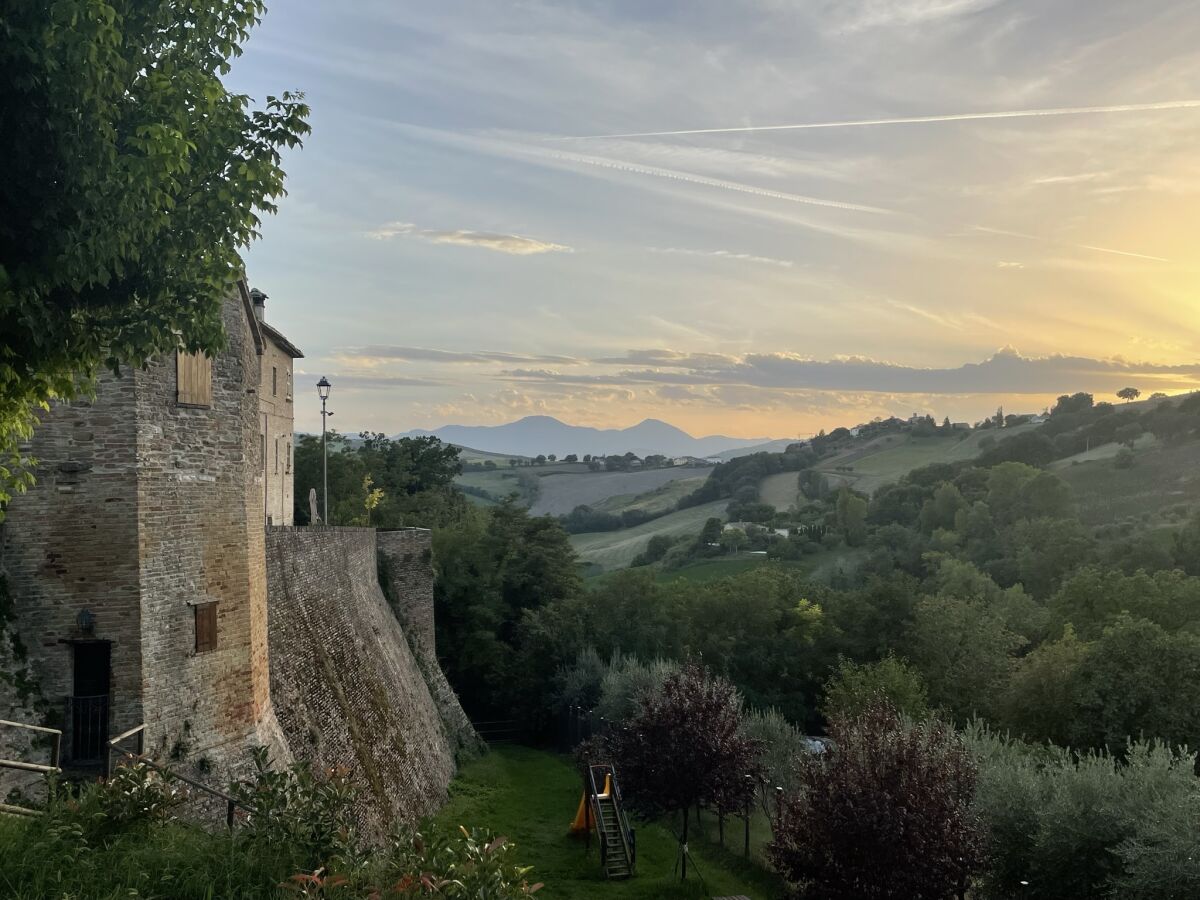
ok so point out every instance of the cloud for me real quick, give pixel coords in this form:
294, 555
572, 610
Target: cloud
382, 381
513, 244
867, 14
377, 352
727, 254
1005, 372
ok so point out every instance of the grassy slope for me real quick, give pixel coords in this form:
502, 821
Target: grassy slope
1163, 479
782, 491
561, 493
883, 461
616, 549
530, 797
657, 501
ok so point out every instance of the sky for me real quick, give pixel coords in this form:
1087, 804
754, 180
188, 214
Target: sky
589, 210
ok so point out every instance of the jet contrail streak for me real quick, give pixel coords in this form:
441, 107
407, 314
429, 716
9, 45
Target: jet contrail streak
909, 120
1042, 240
691, 178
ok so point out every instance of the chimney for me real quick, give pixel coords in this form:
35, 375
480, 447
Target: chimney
259, 299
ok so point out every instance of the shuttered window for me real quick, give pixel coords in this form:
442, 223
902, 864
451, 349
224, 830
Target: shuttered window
194, 379
206, 627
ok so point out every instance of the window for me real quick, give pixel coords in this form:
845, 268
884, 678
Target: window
193, 376
287, 381
206, 627
288, 459
276, 456
274, 381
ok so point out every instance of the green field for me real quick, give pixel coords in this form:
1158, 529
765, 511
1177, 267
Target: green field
782, 491
1162, 484
530, 797
611, 550
723, 567
887, 459
657, 501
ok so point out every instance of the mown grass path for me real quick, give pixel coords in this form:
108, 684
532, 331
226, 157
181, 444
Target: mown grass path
530, 797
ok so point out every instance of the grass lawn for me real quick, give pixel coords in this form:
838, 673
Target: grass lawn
610, 550
712, 569
531, 796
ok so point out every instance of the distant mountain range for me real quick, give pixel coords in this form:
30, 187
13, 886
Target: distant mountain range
545, 434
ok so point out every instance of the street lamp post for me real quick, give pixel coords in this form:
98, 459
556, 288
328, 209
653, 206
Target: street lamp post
323, 387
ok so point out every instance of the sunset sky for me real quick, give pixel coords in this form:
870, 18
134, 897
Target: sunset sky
468, 237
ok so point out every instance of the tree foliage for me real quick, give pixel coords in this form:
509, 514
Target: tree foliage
686, 746
132, 181
884, 815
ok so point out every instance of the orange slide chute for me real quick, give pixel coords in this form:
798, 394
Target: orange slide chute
585, 820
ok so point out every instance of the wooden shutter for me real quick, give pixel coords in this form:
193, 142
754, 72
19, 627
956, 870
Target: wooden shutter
206, 627
194, 379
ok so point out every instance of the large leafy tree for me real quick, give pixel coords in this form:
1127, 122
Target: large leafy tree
686, 746
132, 180
885, 815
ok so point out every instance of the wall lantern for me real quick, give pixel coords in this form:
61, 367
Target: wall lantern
86, 620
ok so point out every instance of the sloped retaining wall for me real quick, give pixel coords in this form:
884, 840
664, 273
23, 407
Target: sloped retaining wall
346, 686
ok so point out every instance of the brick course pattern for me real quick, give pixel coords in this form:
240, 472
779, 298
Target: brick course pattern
145, 508
406, 574
347, 688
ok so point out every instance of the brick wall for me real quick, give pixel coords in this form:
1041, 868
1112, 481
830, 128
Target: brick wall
144, 509
406, 574
346, 686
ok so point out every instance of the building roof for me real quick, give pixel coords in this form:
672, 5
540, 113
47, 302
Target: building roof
280, 341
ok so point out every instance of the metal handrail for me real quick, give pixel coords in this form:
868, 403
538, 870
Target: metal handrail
55, 750
622, 822
232, 804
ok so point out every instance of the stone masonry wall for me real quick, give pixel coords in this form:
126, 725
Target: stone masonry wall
201, 529
71, 544
346, 687
406, 574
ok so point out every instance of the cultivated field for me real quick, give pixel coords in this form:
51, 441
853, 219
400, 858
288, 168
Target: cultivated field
611, 550
560, 492
660, 500
782, 491
1163, 484
888, 458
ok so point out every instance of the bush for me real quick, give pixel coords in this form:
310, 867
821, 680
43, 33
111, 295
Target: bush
885, 814
1065, 826
298, 811
855, 686
120, 839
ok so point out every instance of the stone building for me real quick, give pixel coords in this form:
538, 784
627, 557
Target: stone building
136, 563
277, 419
142, 582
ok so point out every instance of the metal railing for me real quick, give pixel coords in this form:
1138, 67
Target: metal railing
88, 719
618, 806
18, 765
232, 804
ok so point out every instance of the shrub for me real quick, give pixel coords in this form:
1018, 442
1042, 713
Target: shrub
885, 814
1064, 825
855, 686
310, 816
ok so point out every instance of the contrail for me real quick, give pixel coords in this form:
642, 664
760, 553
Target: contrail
1042, 240
909, 120
692, 178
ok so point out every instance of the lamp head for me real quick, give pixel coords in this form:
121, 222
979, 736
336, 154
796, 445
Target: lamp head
323, 387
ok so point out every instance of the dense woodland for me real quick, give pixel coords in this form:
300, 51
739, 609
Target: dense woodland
978, 598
